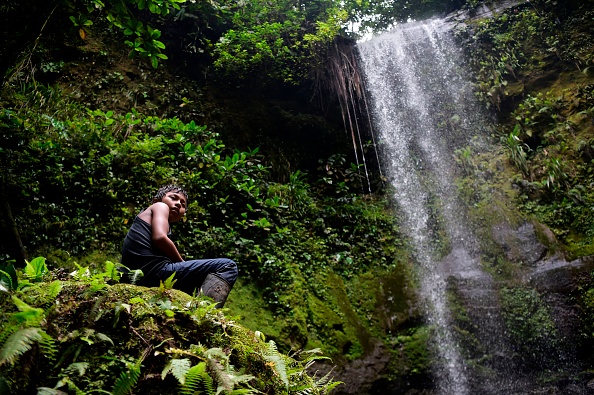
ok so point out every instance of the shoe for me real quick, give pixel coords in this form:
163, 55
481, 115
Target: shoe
217, 288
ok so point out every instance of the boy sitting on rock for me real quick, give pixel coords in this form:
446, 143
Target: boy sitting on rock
147, 247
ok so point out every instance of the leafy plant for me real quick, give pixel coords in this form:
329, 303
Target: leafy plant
128, 378
36, 269
197, 379
91, 361
22, 331
168, 283
517, 149
8, 276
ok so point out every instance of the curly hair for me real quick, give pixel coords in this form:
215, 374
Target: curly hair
169, 188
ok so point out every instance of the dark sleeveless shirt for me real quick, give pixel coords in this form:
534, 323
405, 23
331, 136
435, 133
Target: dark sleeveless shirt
138, 251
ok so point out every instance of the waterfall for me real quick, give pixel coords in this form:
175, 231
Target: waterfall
424, 110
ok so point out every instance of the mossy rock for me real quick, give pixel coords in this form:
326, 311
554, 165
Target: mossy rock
108, 337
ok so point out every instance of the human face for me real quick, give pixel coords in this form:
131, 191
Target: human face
177, 205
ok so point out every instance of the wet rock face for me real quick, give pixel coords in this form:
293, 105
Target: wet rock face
520, 244
521, 351
560, 282
360, 375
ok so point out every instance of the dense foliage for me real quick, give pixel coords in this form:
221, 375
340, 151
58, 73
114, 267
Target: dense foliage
77, 177
87, 335
255, 40
321, 264
534, 62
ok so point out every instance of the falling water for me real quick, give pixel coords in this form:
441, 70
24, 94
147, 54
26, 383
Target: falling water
424, 110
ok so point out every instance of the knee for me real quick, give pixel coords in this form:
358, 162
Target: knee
231, 269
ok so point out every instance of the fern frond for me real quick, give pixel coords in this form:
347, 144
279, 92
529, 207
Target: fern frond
135, 276
223, 370
239, 379
79, 368
197, 377
48, 347
168, 284
213, 353
280, 367
223, 380
49, 391
7, 331
179, 368
303, 366
322, 386
81, 272
19, 343
54, 290
128, 379
111, 271
271, 349
72, 387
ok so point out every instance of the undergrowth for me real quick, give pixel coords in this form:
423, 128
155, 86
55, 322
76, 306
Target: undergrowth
534, 67
86, 333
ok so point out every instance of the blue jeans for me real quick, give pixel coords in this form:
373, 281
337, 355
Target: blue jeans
191, 274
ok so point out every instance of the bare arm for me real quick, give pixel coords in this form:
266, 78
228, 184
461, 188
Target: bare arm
160, 228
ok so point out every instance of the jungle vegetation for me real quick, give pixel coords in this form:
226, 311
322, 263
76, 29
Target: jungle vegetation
88, 134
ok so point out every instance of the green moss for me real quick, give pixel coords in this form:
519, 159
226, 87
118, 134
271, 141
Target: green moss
411, 355
578, 246
247, 304
529, 324
123, 324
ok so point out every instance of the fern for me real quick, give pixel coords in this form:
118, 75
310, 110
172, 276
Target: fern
179, 368
322, 386
168, 284
81, 273
197, 377
280, 367
305, 364
7, 331
71, 386
330, 386
128, 378
111, 271
223, 380
225, 373
48, 347
54, 290
19, 343
79, 368
49, 391
135, 276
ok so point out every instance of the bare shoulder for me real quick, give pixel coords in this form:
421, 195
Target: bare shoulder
158, 208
